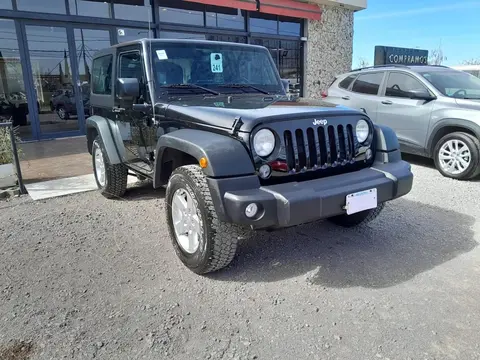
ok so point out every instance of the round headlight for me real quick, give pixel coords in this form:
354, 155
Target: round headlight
264, 142
362, 130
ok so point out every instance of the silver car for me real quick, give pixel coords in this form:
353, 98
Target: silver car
435, 111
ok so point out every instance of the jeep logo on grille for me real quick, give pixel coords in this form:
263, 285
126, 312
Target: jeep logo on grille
320, 122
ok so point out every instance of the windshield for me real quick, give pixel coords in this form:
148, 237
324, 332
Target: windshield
212, 69
456, 84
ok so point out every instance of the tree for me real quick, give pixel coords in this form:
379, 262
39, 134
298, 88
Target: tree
362, 63
436, 56
471, 62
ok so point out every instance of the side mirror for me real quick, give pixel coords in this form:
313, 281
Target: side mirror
128, 89
421, 94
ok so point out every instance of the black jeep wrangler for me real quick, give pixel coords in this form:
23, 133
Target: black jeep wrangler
209, 121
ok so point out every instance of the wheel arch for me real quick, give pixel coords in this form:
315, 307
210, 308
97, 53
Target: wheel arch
225, 156
449, 126
111, 137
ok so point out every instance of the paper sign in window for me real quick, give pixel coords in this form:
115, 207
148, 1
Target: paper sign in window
216, 62
162, 55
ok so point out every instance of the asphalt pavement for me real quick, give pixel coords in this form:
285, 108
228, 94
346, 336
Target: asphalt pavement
85, 277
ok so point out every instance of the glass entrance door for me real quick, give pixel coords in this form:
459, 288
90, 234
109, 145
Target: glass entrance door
49, 54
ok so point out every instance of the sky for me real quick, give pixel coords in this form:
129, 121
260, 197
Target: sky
452, 25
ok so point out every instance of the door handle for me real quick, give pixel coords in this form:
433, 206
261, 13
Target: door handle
387, 102
346, 97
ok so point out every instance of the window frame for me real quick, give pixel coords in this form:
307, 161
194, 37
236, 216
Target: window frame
380, 85
110, 55
387, 78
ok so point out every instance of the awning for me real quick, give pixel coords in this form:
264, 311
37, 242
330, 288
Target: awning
250, 5
291, 8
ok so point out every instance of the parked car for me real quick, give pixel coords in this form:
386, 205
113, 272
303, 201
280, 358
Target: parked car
435, 111
63, 101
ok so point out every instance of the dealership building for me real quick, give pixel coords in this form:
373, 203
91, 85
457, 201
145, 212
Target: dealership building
46, 46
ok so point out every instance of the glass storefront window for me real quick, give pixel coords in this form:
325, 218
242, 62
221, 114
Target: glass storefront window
228, 38
139, 10
289, 27
129, 34
263, 23
6, 4
222, 17
50, 6
13, 97
52, 78
187, 15
89, 8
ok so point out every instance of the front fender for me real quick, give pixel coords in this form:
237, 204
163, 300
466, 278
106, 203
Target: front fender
226, 156
111, 137
387, 146
456, 123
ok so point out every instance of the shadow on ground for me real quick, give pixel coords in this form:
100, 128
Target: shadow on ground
407, 239
418, 160
143, 190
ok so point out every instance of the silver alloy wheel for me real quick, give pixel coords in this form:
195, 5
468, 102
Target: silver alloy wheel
186, 221
100, 166
454, 157
61, 113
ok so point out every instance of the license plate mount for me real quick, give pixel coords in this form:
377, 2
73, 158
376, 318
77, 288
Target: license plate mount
360, 201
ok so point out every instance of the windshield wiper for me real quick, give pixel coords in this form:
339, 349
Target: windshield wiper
189, 87
244, 86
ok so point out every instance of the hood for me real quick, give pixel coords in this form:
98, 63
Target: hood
224, 117
472, 104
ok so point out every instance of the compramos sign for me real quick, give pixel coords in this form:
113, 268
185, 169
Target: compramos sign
387, 55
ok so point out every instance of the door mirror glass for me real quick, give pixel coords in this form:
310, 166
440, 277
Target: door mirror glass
128, 89
421, 94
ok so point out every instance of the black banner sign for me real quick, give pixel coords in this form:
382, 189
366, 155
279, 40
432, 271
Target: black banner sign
387, 55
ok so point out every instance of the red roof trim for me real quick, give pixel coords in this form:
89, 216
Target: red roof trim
291, 8
235, 4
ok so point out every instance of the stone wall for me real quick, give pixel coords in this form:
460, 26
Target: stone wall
329, 49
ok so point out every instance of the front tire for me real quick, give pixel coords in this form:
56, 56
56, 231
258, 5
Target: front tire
201, 241
111, 179
358, 219
457, 156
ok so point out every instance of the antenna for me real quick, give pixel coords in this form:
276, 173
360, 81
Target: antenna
152, 78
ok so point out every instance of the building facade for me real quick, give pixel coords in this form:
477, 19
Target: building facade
46, 47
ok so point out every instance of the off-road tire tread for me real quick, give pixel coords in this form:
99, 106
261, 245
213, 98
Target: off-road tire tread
117, 175
355, 220
225, 235
475, 156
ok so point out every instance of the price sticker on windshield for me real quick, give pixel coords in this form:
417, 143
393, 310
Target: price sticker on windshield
216, 62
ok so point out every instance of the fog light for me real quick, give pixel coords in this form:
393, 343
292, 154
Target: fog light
264, 171
251, 210
368, 154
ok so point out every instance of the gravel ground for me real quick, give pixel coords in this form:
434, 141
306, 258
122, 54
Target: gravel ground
84, 277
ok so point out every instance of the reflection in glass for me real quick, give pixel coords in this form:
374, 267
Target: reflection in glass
6, 4
130, 34
87, 43
89, 8
13, 98
50, 6
181, 16
134, 12
228, 38
52, 78
263, 23
289, 27
225, 18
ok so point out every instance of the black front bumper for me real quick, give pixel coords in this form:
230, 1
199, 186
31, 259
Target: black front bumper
296, 203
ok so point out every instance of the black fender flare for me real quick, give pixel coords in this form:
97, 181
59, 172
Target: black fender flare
226, 156
458, 123
111, 137
387, 146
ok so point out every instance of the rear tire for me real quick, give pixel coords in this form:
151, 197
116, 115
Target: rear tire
214, 243
463, 141
113, 182
357, 219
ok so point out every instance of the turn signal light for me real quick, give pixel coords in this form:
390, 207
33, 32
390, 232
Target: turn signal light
203, 162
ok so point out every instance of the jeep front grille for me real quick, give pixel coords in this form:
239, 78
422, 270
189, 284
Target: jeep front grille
321, 147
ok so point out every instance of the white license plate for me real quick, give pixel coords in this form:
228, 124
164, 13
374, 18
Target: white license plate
361, 201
